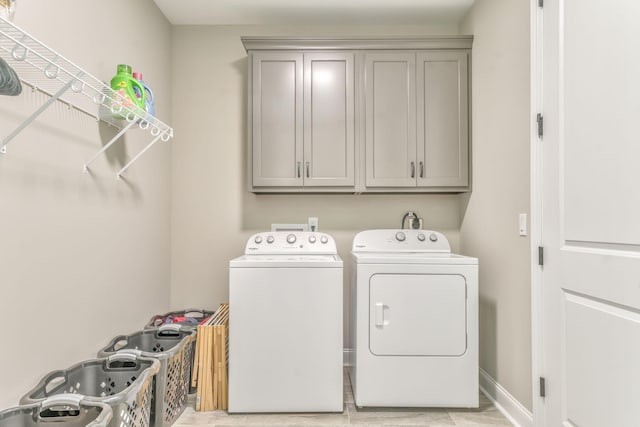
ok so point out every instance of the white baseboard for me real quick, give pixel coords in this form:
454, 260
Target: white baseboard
505, 402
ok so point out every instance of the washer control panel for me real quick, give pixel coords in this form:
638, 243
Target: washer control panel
400, 241
286, 242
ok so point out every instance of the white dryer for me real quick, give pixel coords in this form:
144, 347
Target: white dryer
285, 325
414, 327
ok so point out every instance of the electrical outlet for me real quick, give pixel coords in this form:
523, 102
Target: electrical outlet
313, 223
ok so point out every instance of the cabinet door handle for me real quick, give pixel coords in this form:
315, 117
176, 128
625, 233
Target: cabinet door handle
298, 168
421, 169
413, 169
307, 166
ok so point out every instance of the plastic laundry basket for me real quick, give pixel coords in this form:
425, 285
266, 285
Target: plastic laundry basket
65, 410
196, 314
122, 381
192, 315
173, 346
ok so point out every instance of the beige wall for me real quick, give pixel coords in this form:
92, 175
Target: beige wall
85, 257
213, 213
501, 118
82, 257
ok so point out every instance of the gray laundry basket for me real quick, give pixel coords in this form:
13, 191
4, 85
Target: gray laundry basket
198, 314
173, 346
64, 410
194, 313
122, 381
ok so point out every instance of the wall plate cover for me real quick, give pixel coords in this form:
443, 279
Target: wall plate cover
290, 227
522, 224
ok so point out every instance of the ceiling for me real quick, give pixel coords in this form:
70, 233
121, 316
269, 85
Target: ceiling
314, 12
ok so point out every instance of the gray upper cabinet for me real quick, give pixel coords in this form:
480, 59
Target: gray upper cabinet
417, 132
302, 112
329, 138
358, 114
277, 119
390, 135
443, 119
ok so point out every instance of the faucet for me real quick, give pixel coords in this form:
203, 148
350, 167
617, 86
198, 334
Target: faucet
410, 220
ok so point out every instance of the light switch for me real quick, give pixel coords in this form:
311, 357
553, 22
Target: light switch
523, 224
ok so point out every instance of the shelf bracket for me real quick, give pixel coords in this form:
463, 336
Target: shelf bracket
165, 137
33, 116
108, 144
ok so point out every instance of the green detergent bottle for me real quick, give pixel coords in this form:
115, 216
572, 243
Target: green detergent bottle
125, 85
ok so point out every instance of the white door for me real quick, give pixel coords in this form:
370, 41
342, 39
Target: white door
418, 315
590, 281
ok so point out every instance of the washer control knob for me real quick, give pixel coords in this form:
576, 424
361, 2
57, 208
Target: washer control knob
291, 238
258, 239
433, 237
312, 239
270, 239
400, 236
421, 237
324, 240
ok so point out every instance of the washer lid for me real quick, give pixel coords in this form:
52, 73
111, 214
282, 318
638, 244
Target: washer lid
286, 261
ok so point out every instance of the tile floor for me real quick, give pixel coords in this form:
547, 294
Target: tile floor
486, 415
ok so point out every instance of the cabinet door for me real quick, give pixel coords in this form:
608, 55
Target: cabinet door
329, 141
277, 119
443, 133
390, 130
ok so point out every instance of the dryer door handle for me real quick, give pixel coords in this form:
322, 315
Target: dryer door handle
380, 314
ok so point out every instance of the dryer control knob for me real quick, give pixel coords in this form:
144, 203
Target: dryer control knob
291, 238
312, 239
433, 237
421, 237
324, 239
258, 239
400, 236
270, 239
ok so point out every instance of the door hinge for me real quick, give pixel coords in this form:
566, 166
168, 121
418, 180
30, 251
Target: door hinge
543, 390
540, 256
540, 3
540, 121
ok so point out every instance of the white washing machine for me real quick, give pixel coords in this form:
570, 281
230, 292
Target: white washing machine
285, 325
414, 327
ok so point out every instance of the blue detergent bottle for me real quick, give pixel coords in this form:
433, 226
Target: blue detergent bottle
148, 99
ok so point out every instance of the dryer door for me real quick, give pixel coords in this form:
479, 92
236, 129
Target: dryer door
417, 315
